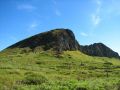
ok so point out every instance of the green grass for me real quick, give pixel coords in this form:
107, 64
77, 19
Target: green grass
43, 71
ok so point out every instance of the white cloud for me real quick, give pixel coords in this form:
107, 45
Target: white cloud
83, 34
26, 7
33, 25
56, 10
96, 18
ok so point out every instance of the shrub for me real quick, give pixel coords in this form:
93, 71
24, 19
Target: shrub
14, 72
39, 62
34, 79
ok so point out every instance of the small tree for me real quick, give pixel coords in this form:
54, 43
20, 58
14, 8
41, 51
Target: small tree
107, 68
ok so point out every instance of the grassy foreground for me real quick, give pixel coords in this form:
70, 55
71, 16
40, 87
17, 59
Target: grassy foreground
71, 71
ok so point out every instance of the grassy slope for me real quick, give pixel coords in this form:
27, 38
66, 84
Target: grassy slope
43, 71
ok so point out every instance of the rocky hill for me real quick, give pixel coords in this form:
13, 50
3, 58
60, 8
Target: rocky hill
58, 39
99, 49
61, 40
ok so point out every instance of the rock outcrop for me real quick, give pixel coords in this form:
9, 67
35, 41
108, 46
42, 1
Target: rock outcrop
99, 49
58, 39
61, 40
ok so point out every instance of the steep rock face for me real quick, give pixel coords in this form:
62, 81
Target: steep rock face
58, 39
99, 49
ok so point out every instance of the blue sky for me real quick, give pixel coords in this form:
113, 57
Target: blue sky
92, 21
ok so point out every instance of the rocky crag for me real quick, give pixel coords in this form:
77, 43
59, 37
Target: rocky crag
62, 40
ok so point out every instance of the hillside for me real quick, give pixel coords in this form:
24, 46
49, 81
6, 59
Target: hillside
54, 60
43, 71
60, 40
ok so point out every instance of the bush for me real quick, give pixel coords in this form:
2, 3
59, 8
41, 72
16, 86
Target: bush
39, 62
34, 79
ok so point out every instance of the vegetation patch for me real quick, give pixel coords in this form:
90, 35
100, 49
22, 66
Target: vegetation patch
34, 79
43, 71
